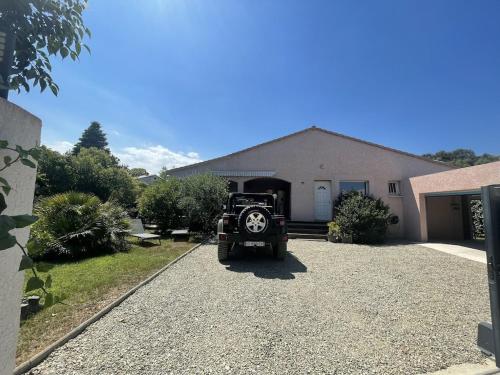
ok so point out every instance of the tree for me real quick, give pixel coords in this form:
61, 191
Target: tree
164, 173
55, 174
202, 198
97, 171
93, 136
42, 28
462, 157
99, 156
92, 170
118, 186
136, 172
159, 204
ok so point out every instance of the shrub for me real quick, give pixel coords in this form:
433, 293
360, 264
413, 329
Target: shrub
202, 199
333, 228
361, 218
333, 231
476, 207
75, 225
159, 204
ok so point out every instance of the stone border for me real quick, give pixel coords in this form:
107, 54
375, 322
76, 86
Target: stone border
38, 358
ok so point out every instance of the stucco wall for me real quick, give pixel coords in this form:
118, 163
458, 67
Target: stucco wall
18, 127
316, 155
457, 180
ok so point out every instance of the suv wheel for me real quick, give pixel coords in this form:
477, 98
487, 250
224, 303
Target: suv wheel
254, 220
223, 251
279, 250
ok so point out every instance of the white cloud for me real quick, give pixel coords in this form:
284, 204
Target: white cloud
60, 146
153, 158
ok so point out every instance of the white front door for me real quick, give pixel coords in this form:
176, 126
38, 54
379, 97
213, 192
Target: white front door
323, 200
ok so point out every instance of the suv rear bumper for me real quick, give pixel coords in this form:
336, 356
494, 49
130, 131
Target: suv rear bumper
235, 238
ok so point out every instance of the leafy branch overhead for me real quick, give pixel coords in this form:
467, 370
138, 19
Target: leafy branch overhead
42, 28
11, 222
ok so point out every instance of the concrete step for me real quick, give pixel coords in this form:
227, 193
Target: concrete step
304, 229
308, 230
308, 236
307, 224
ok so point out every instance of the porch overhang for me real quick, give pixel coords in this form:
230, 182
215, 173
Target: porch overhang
241, 173
452, 193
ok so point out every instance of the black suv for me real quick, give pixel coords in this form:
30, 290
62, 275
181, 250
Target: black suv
251, 220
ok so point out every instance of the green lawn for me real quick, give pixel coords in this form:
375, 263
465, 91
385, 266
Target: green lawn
87, 286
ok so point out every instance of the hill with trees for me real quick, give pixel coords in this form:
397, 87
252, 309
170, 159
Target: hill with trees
462, 157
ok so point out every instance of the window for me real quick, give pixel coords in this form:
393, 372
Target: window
394, 188
361, 186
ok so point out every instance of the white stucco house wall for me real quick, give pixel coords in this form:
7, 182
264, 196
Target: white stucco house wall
309, 169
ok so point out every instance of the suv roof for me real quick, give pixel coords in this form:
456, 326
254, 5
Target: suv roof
256, 195
237, 201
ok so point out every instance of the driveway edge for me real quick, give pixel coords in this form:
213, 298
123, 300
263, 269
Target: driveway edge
38, 358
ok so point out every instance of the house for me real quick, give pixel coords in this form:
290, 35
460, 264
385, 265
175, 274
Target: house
148, 179
310, 168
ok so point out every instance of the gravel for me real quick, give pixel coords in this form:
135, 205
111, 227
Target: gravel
328, 309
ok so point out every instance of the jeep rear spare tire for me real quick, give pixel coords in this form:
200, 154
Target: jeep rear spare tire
254, 221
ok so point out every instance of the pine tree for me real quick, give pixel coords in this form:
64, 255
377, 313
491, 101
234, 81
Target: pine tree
93, 136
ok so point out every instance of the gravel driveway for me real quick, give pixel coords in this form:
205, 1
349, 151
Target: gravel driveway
329, 308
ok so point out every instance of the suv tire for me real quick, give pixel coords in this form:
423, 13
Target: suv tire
254, 221
280, 250
222, 251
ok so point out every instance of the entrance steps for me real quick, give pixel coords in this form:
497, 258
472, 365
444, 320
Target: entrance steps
307, 230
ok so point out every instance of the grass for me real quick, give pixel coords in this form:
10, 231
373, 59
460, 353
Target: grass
87, 286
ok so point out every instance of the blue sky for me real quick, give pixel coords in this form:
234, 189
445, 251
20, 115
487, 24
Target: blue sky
176, 81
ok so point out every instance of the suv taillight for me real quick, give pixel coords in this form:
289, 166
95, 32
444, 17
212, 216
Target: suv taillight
227, 223
280, 222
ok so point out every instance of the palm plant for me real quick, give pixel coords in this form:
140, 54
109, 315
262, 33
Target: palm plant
73, 225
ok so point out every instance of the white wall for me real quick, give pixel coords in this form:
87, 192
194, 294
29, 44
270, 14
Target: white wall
18, 127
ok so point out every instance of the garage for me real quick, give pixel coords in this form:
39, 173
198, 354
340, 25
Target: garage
454, 216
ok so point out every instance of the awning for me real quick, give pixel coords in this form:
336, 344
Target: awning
244, 173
